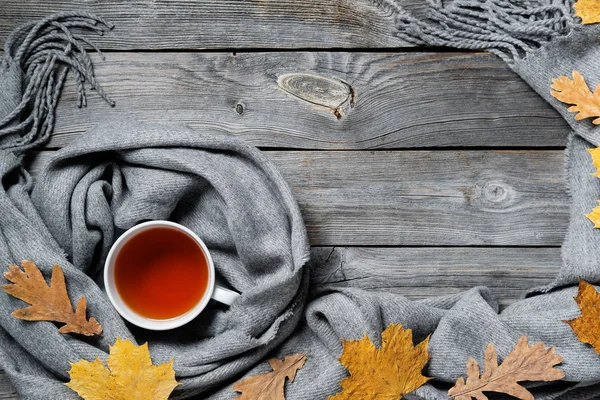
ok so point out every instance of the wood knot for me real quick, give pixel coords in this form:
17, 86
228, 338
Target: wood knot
495, 194
239, 108
332, 94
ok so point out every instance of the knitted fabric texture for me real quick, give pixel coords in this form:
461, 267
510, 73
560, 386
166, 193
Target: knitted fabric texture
124, 172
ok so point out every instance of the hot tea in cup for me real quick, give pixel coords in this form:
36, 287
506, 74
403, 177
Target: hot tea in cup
159, 275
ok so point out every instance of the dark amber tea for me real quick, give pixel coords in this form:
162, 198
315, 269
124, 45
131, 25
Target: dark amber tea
161, 273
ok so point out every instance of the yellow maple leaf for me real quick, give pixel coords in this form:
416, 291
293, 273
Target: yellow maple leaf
577, 92
128, 374
594, 216
587, 326
595, 160
523, 363
387, 373
271, 385
588, 11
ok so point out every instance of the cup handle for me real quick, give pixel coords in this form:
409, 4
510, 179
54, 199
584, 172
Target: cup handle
224, 296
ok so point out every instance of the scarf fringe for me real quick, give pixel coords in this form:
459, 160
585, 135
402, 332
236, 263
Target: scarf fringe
45, 51
508, 28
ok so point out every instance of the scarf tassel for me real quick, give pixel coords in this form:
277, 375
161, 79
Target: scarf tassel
44, 52
508, 28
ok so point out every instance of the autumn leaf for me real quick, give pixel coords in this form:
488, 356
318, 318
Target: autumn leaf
594, 216
588, 11
524, 363
48, 303
270, 385
386, 373
576, 91
587, 326
128, 374
595, 153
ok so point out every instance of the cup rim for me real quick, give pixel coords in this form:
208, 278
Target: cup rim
135, 318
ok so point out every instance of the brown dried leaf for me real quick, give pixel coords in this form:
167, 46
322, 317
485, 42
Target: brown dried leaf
48, 303
270, 385
524, 363
588, 11
587, 326
576, 91
128, 374
386, 373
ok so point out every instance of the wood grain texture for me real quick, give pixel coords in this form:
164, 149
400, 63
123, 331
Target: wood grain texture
419, 273
7, 392
429, 198
426, 198
209, 24
386, 100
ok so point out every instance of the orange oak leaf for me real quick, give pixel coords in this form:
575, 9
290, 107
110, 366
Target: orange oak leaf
271, 385
588, 11
587, 326
48, 303
387, 373
128, 374
576, 92
524, 363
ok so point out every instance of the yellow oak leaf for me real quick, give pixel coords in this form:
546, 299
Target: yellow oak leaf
523, 363
128, 374
48, 303
270, 385
595, 160
587, 326
594, 216
577, 92
588, 11
387, 373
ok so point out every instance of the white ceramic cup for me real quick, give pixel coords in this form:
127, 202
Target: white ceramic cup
213, 291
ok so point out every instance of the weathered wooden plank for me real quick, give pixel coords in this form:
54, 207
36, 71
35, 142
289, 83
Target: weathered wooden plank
205, 24
423, 272
328, 100
429, 197
426, 198
7, 392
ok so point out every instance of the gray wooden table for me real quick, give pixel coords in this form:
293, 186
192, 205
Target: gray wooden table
439, 169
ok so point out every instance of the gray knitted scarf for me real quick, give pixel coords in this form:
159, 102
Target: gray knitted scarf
121, 173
